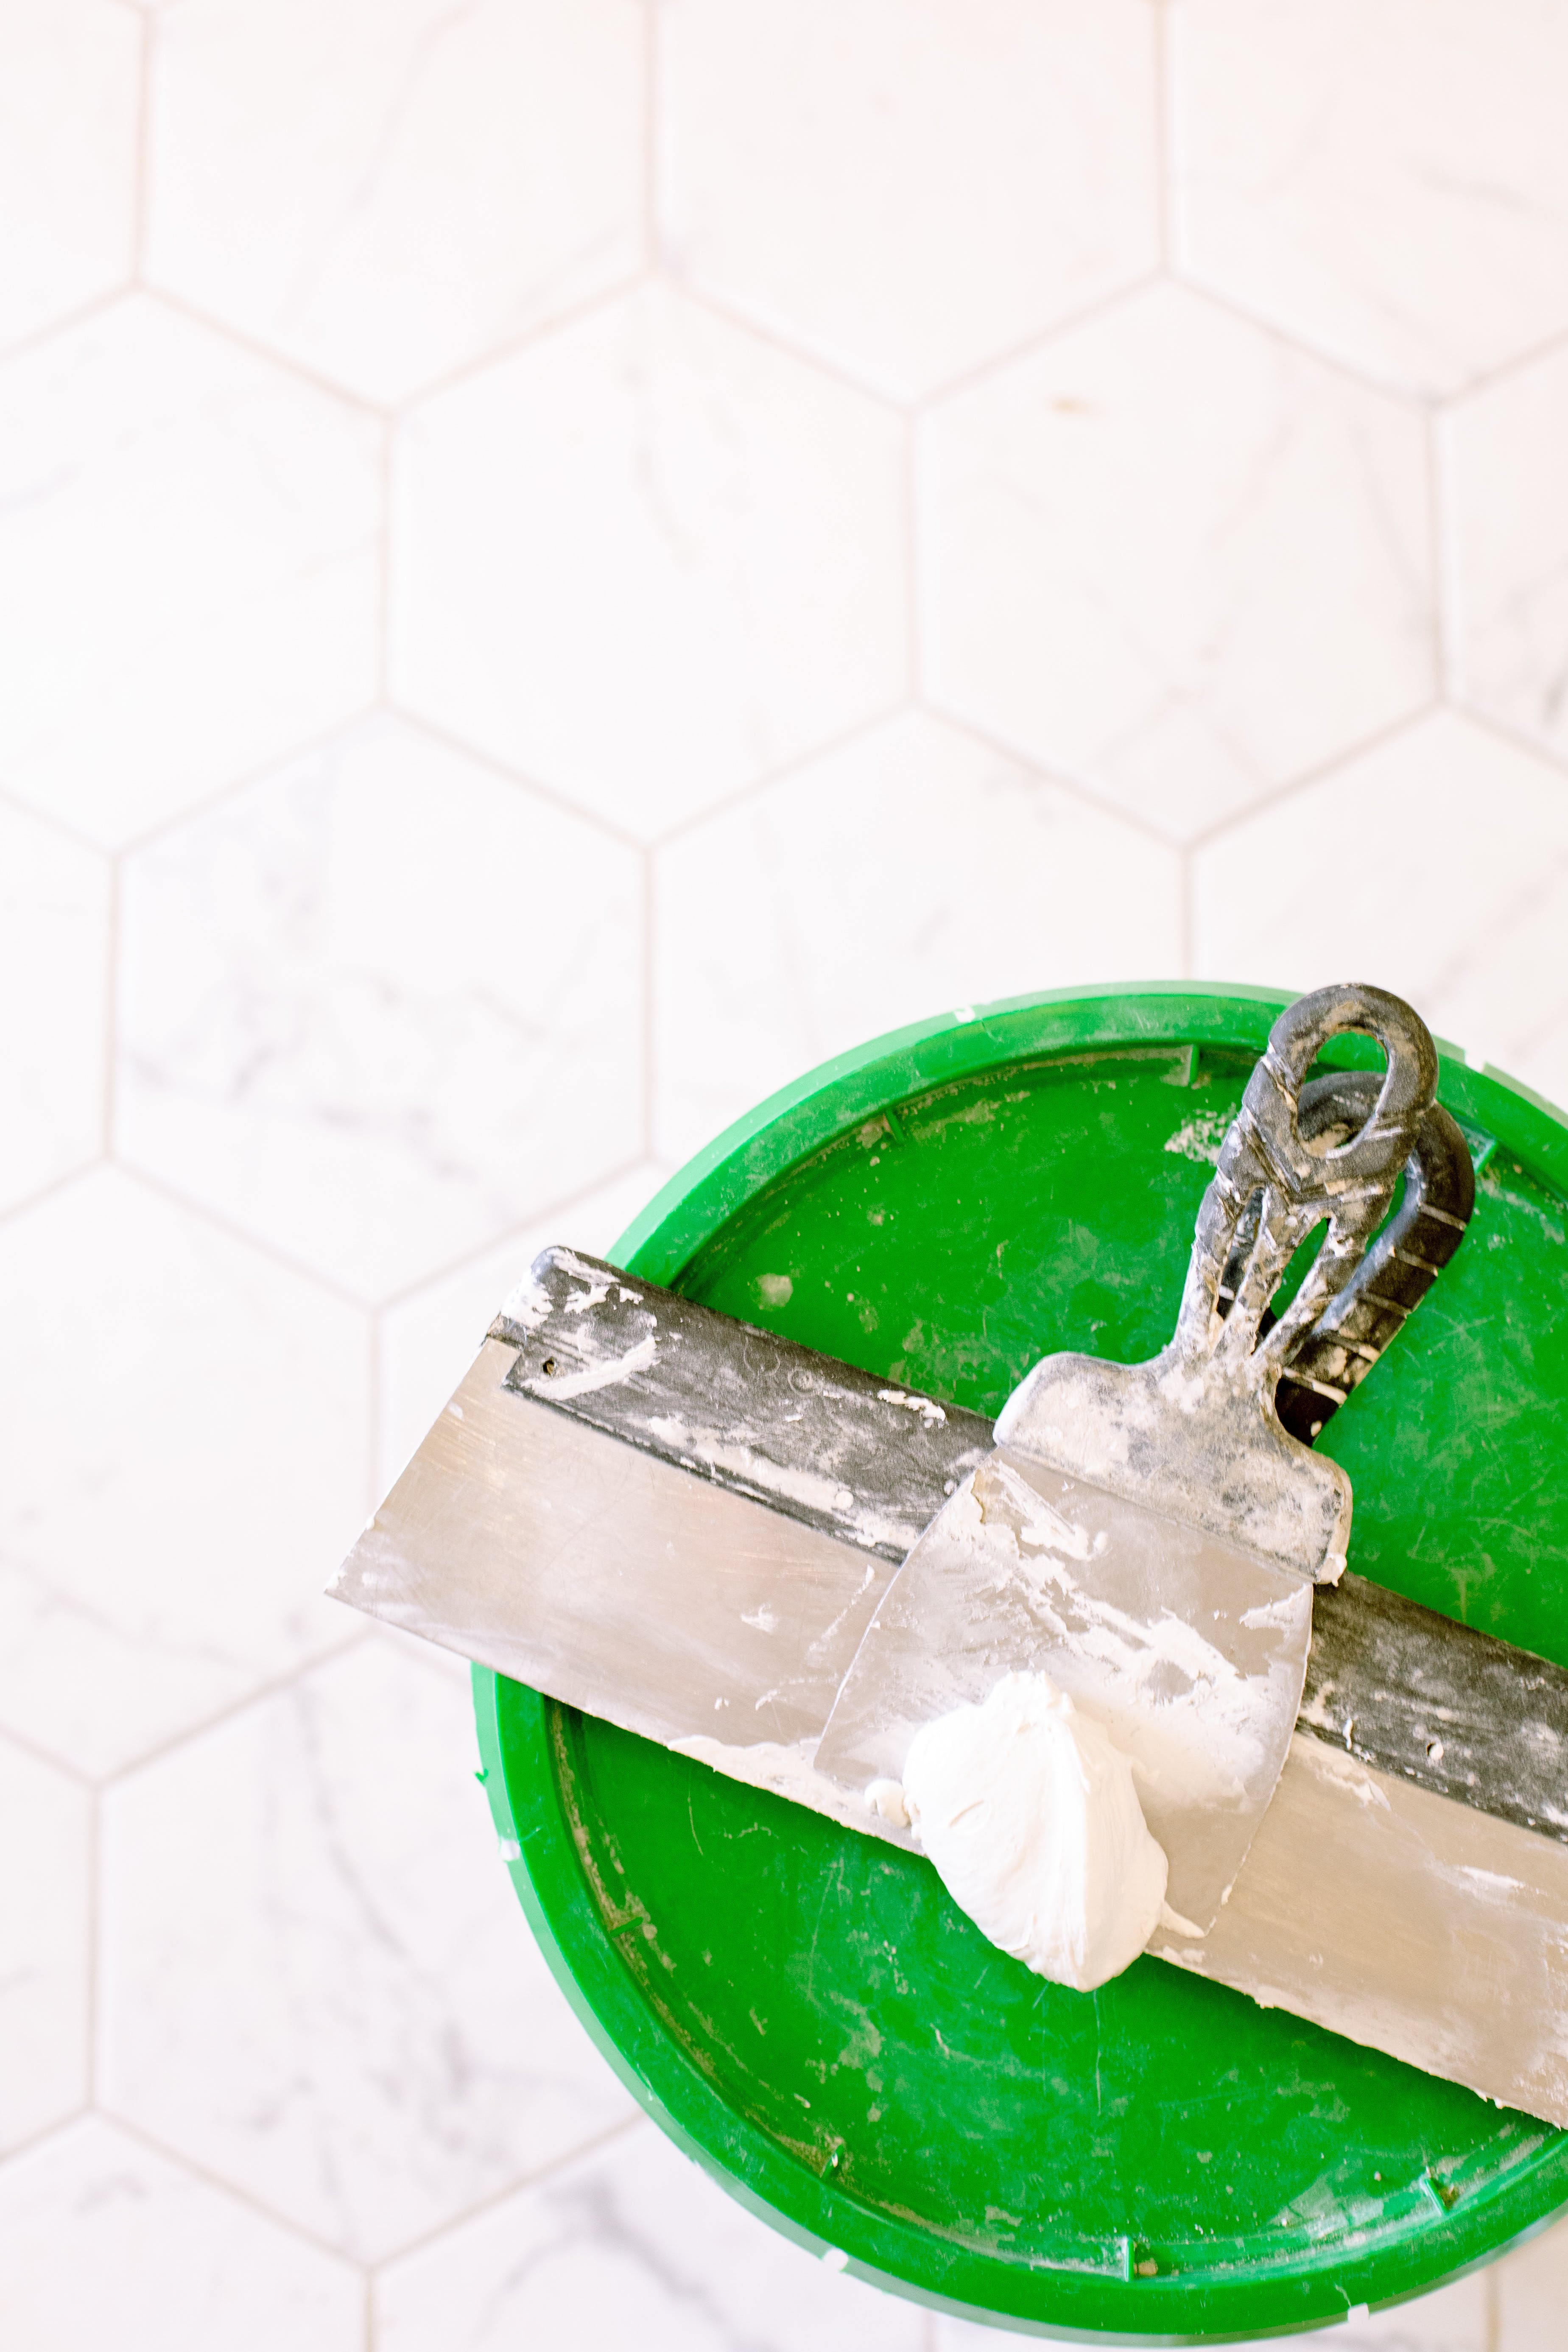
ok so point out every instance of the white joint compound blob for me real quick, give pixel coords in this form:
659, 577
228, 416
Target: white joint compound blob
1028, 1811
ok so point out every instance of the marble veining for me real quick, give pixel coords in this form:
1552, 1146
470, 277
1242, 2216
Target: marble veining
323, 1988
370, 1003
561, 560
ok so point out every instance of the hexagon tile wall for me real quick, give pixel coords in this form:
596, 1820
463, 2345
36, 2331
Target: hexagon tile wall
561, 560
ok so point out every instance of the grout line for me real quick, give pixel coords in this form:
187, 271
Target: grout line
1360, 749
417, 1652
321, 740
649, 984
1493, 2319
1061, 779
67, 322
51, 822
20, 2148
650, 62
140, 185
1505, 730
582, 2152
790, 768
368, 2289
27, 1745
495, 354
135, 1172
717, 306
359, 1630
516, 777
31, 1200
1549, 347
969, 378
184, 2162
268, 354
1414, 402
557, 1207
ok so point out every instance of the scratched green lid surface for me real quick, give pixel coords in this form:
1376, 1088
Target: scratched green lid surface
803, 2009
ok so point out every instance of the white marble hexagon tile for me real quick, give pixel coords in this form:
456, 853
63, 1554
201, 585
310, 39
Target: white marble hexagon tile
561, 560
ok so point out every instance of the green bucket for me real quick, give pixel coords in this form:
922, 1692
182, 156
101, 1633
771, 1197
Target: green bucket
803, 2009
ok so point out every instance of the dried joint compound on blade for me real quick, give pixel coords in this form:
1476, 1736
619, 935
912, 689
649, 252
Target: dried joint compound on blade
816, 1439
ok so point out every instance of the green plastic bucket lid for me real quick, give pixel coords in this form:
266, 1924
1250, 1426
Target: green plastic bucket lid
804, 2010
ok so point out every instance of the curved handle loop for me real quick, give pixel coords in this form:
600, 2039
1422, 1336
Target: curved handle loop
1281, 1175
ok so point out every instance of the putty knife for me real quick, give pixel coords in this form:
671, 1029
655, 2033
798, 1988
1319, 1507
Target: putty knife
646, 1545
1148, 1535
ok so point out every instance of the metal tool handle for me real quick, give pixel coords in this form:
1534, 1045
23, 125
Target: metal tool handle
1334, 1355
1279, 1176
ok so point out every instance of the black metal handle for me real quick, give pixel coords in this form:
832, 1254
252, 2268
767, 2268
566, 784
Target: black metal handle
1288, 1165
1333, 1355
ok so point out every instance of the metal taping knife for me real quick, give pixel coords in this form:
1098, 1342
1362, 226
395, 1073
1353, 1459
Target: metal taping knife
690, 1537
1148, 1534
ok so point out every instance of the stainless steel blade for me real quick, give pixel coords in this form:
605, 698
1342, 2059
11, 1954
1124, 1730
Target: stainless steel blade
1377, 1907
528, 1541
1404, 1921
1191, 1653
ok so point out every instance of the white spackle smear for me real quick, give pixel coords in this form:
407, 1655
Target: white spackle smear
1028, 1811
531, 1303
1201, 1137
930, 1411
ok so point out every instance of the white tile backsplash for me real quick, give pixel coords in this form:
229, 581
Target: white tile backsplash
1101, 581
319, 1985
384, 190
1506, 467
1355, 874
104, 2241
1388, 187
373, 1007
631, 2246
906, 191
827, 906
562, 561
189, 571
186, 1422
649, 559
